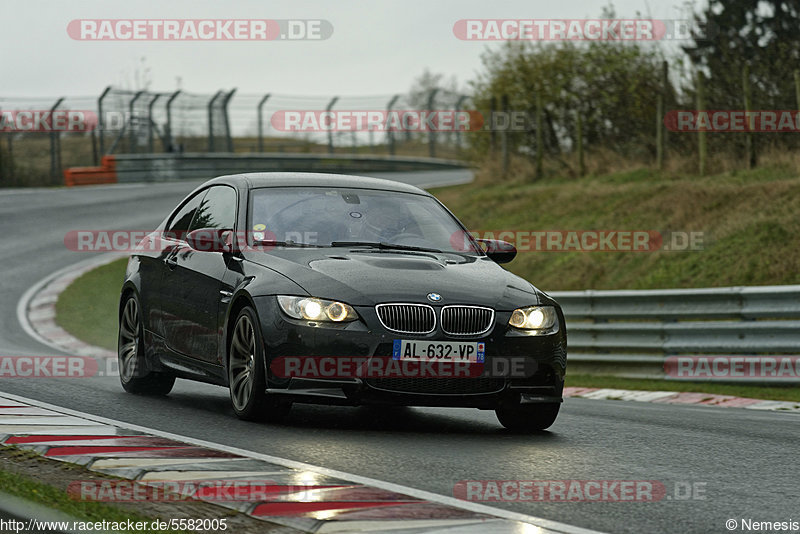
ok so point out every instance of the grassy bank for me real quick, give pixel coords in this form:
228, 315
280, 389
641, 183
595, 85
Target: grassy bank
88, 307
749, 221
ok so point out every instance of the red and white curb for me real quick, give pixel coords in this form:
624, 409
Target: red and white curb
36, 310
674, 397
328, 501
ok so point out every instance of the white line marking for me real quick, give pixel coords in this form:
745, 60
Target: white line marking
380, 484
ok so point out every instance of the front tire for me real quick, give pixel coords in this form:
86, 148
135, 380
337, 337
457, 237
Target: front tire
246, 372
528, 418
133, 373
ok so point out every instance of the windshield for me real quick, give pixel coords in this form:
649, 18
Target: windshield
322, 216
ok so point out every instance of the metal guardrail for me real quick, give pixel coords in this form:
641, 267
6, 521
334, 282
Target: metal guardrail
636, 330
192, 166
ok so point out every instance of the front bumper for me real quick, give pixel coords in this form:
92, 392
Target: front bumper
544, 358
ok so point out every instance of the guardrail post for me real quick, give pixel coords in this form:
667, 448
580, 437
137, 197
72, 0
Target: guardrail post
432, 134
226, 121
132, 130
101, 122
211, 120
55, 150
330, 132
150, 124
168, 128
261, 122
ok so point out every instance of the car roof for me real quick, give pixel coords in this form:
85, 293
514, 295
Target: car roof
255, 180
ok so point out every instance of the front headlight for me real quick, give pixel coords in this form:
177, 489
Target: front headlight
314, 309
534, 318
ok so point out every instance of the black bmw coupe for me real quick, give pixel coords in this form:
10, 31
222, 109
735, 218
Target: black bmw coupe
322, 288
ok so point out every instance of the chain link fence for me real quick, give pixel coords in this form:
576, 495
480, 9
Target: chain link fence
138, 122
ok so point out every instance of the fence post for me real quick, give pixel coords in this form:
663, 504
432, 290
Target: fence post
10, 165
750, 150
95, 156
660, 132
132, 130
701, 134
539, 137
432, 134
261, 121
168, 128
492, 134
211, 120
504, 135
459, 103
664, 109
330, 131
579, 134
797, 91
226, 121
55, 151
150, 124
389, 132
2, 163
101, 122
797, 87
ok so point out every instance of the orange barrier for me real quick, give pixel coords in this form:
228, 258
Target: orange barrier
106, 173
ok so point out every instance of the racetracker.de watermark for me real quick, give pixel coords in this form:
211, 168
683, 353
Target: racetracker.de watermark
733, 120
199, 29
733, 367
586, 240
129, 241
580, 30
40, 120
55, 367
554, 491
434, 361
443, 120
180, 490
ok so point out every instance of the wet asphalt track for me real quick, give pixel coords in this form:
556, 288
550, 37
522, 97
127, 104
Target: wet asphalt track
744, 460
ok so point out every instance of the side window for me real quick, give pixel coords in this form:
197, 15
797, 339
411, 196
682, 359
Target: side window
216, 210
178, 225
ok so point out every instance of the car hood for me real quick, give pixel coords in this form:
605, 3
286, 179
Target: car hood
366, 278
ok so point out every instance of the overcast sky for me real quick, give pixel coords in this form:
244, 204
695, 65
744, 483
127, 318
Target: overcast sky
377, 47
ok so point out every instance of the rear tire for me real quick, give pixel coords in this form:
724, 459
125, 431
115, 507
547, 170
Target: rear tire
246, 373
529, 417
134, 375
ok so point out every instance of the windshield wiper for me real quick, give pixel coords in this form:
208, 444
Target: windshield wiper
382, 245
274, 243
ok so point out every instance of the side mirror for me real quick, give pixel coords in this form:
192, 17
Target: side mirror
498, 251
211, 239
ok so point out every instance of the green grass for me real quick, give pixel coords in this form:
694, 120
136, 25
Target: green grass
749, 221
789, 393
88, 307
56, 499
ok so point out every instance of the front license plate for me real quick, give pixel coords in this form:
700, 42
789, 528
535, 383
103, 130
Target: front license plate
443, 351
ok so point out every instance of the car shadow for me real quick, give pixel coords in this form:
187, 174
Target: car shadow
396, 419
